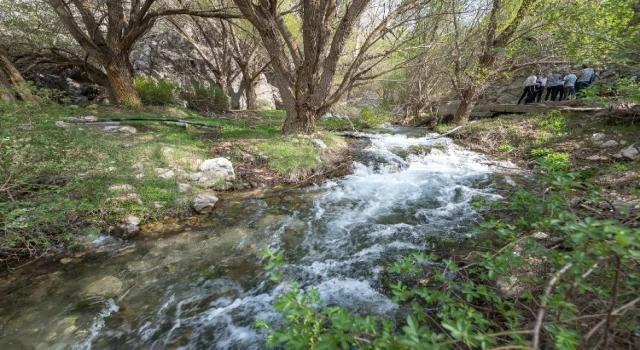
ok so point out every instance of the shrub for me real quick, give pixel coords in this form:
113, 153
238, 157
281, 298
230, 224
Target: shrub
374, 117
156, 92
205, 98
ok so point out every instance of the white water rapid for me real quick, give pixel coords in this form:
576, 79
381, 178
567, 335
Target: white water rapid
204, 287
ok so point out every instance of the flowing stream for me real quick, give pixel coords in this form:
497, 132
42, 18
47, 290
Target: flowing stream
201, 285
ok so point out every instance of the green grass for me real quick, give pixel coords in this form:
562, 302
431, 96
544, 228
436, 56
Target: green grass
54, 182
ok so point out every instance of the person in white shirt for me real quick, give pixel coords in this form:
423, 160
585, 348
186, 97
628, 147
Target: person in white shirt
529, 88
540, 86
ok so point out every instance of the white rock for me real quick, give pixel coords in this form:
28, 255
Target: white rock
90, 118
598, 136
181, 125
623, 142
609, 144
596, 158
218, 168
167, 150
128, 129
540, 235
26, 127
137, 166
62, 124
140, 176
317, 143
132, 220
204, 202
184, 187
111, 128
111, 168
121, 188
629, 153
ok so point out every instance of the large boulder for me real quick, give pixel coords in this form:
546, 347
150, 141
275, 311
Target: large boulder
218, 169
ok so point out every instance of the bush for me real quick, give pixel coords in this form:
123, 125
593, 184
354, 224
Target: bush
156, 92
374, 117
205, 98
557, 276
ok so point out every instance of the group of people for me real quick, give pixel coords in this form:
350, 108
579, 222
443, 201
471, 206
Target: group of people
559, 87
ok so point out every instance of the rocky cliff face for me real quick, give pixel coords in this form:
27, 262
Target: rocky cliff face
167, 55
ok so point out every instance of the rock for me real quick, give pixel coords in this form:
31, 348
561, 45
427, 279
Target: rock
111, 168
540, 235
108, 286
184, 188
204, 202
90, 118
160, 170
120, 128
218, 169
168, 175
599, 136
609, 144
93, 106
132, 220
137, 166
158, 205
167, 150
121, 188
195, 176
623, 142
65, 261
140, 176
128, 129
181, 125
629, 153
317, 143
597, 158
62, 124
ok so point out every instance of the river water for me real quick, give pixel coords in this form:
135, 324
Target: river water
201, 285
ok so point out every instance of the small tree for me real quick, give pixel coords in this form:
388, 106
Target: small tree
107, 31
500, 29
310, 70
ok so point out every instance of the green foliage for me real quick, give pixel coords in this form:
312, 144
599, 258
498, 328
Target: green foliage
156, 92
552, 159
374, 117
607, 93
205, 98
579, 277
288, 156
505, 147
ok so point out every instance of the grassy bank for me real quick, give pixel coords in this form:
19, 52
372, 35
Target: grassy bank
62, 186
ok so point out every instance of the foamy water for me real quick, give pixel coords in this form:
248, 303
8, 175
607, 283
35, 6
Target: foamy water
337, 237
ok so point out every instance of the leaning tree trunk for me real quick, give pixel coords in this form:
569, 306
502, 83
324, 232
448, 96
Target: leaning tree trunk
300, 121
121, 81
251, 94
469, 99
5, 88
11, 75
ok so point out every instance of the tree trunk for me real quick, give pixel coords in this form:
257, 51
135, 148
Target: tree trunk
468, 102
250, 92
13, 76
300, 121
121, 81
5, 88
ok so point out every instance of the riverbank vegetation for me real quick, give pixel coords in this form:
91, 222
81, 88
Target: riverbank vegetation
63, 184
559, 269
